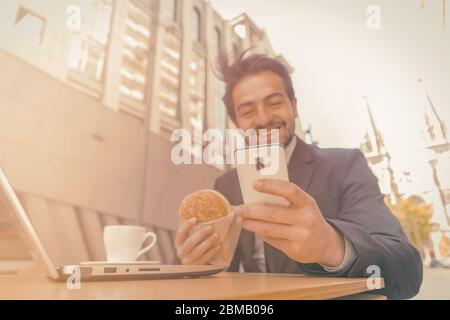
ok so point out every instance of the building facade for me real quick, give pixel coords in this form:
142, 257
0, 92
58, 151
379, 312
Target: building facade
379, 158
435, 151
90, 92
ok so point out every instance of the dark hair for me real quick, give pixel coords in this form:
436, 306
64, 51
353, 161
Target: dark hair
242, 67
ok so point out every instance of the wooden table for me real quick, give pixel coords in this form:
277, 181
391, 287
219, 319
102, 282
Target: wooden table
221, 286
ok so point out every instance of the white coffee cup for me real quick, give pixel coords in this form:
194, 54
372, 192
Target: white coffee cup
124, 243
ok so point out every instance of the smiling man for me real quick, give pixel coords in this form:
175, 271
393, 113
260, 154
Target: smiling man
336, 224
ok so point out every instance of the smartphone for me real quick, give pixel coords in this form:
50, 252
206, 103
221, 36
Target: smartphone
261, 162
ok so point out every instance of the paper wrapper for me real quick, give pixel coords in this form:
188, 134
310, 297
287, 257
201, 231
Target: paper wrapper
229, 232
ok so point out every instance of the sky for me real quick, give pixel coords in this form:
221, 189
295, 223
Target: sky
338, 59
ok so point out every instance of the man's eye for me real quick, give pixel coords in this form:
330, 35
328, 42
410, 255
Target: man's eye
275, 103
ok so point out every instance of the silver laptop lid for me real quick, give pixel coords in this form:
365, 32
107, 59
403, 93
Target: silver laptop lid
10, 203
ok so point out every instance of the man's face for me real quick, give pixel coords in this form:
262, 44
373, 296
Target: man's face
261, 102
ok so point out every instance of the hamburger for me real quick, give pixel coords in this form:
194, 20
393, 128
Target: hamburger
204, 205
211, 208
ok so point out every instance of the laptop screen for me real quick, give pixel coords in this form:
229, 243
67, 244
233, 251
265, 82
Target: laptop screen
17, 226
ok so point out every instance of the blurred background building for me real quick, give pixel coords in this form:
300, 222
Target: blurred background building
90, 92
435, 151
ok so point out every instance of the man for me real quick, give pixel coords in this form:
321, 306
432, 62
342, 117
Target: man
337, 223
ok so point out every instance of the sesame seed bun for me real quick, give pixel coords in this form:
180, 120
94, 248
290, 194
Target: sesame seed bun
205, 205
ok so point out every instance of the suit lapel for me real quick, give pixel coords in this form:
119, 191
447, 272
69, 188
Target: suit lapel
301, 166
301, 169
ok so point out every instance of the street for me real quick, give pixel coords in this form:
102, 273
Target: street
435, 285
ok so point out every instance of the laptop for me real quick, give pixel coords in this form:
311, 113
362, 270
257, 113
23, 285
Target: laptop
90, 271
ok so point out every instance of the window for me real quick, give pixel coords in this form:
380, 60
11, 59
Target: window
168, 92
169, 8
241, 30
197, 85
136, 52
88, 47
30, 26
196, 25
219, 88
221, 115
220, 112
219, 106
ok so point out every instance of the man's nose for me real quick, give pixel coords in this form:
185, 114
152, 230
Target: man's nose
262, 118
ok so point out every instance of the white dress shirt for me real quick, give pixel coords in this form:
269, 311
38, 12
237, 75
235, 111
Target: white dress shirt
259, 255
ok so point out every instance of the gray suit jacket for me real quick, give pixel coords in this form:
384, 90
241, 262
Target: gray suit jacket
349, 198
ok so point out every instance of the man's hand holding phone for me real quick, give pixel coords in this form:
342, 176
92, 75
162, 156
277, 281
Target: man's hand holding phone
299, 230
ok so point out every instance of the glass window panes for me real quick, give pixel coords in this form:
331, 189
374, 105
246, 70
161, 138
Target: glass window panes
88, 46
220, 117
197, 85
219, 106
241, 30
170, 77
29, 26
136, 50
